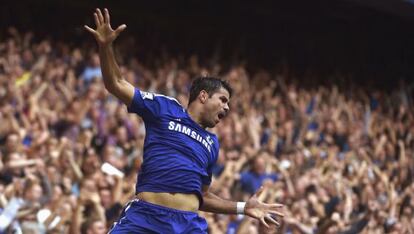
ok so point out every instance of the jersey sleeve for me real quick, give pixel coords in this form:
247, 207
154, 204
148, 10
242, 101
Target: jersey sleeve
150, 105
207, 180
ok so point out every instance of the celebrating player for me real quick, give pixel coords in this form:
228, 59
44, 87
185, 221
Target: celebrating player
173, 183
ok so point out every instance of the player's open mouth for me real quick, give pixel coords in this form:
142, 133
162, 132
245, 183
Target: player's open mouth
221, 115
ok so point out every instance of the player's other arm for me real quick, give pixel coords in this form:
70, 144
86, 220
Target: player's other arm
253, 207
105, 35
215, 204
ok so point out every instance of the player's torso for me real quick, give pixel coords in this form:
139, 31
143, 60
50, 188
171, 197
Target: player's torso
178, 134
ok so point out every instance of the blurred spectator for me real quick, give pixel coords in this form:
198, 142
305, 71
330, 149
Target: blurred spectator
338, 155
92, 70
252, 180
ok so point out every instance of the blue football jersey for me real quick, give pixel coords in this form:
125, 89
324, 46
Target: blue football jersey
178, 153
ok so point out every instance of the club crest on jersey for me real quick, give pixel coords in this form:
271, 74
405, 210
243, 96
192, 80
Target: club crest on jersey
146, 95
209, 140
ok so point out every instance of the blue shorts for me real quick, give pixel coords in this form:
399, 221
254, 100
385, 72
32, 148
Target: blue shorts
142, 217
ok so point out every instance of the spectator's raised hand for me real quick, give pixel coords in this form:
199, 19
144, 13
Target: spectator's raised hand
104, 34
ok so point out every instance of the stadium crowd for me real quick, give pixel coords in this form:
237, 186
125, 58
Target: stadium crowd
339, 155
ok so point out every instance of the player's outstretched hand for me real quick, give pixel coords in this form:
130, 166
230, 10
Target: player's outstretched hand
104, 34
263, 211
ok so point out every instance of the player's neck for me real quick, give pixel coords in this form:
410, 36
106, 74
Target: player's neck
195, 114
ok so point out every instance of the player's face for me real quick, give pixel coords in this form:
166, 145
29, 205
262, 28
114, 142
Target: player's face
217, 107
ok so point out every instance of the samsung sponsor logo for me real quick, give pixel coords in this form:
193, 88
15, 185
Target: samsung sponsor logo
173, 126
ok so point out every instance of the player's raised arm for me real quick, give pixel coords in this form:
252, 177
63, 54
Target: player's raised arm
105, 35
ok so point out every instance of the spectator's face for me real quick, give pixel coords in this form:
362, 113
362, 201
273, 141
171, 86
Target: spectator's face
281, 132
12, 142
407, 211
34, 193
333, 229
272, 228
121, 134
233, 155
53, 174
259, 165
98, 227
15, 171
89, 185
91, 164
330, 128
106, 198
57, 193
396, 228
95, 60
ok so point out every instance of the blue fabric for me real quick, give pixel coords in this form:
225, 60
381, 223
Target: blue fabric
311, 106
27, 140
264, 139
373, 103
1, 231
142, 217
91, 72
313, 126
178, 153
279, 147
232, 227
251, 182
217, 169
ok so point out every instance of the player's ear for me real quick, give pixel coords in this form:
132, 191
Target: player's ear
203, 96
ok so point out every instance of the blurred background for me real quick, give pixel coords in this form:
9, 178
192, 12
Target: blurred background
372, 39
322, 113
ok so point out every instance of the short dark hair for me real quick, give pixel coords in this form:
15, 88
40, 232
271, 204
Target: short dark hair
208, 83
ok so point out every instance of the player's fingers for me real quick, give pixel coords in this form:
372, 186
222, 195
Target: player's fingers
120, 29
275, 207
276, 213
260, 191
107, 17
262, 220
100, 16
273, 220
89, 29
97, 23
